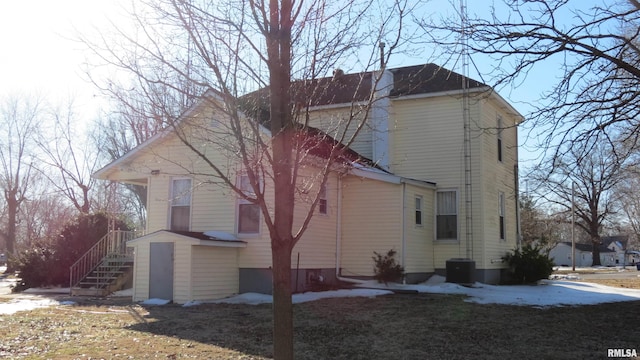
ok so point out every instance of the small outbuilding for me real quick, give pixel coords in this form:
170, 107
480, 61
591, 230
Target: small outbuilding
184, 266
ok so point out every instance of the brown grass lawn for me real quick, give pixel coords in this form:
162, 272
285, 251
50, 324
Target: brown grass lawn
402, 326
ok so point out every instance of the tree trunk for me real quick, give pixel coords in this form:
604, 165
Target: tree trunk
282, 305
595, 253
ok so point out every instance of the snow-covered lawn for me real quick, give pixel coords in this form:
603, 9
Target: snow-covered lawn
546, 293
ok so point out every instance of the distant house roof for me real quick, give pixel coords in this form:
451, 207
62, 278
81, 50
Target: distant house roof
622, 240
587, 247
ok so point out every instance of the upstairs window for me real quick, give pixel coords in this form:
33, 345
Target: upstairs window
180, 211
418, 205
248, 221
322, 201
499, 129
501, 211
447, 215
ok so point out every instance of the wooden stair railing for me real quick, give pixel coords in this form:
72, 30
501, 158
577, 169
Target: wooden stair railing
113, 244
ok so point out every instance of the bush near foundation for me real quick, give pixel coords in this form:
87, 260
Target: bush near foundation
386, 269
528, 265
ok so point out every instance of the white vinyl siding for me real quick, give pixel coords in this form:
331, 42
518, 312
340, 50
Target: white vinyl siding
419, 239
370, 223
214, 272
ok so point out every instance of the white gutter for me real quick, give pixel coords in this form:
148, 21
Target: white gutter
379, 175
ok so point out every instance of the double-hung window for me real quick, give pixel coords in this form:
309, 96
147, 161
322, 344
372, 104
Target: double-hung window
418, 205
447, 215
322, 200
500, 145
248, 221
180, 212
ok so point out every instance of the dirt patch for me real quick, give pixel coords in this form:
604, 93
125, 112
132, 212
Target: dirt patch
627, 283
401, 326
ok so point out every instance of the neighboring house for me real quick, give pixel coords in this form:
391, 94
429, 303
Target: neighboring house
618, 244
561, 255
402, 187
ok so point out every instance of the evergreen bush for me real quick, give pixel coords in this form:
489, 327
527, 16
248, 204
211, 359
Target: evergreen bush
528, 265
386, 269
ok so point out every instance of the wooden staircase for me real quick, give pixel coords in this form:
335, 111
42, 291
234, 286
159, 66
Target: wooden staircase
105, 268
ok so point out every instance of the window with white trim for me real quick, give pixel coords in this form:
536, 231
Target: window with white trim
418, 210
501, 211
248, 221
322, 200
180, 205
447, 215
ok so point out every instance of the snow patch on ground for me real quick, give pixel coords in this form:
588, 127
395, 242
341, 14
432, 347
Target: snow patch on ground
155, 301
122, 293
16, 305
54, 290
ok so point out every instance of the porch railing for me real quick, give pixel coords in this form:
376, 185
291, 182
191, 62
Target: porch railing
112, 244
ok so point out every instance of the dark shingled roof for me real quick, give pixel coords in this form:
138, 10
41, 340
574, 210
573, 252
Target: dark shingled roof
200, 236
347, 88
428, 78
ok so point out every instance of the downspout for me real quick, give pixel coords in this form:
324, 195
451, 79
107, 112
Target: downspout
517, 191
339, 237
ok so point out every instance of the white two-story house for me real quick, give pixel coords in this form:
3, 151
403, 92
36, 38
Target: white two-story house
402, 186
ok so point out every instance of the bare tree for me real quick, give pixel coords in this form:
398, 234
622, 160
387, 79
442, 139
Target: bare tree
540, 226
19, 121
283, 48
594, 175
69, 157
595, 48
42, 216
630, 202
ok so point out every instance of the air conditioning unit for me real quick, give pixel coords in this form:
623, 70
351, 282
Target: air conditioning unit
461, 271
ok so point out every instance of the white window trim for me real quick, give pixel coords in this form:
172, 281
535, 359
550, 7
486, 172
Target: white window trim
172, 196
241, 201
435, 216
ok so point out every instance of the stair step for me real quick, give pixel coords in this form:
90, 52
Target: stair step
115, 266
93, 286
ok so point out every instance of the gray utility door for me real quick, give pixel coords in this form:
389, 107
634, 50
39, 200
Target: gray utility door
161, 271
